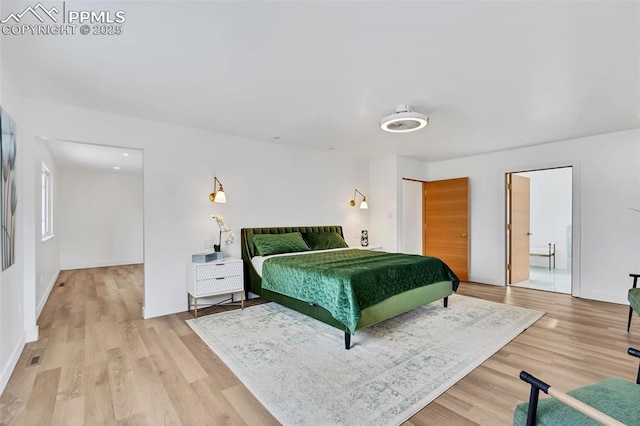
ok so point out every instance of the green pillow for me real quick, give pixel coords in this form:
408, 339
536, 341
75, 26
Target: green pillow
325, 240
267, 244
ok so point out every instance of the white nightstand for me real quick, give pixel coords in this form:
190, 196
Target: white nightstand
215, 278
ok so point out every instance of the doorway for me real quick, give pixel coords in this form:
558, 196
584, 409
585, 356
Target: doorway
446, 223
97, 211
539, 229
441, 210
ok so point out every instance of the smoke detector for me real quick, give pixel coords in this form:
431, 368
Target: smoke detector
404, 120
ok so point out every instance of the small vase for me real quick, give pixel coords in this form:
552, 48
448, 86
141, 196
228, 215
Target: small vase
216, 247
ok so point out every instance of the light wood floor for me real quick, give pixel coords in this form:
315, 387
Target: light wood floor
98, 363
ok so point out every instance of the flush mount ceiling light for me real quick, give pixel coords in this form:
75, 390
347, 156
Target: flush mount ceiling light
404, 120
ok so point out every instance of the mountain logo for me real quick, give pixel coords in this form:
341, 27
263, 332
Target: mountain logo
38, 10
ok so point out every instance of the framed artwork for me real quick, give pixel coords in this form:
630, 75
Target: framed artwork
8, 189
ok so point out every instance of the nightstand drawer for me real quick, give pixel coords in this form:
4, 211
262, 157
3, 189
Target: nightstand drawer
218, 270
219, 285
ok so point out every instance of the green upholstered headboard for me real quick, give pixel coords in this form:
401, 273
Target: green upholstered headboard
252, 281
246, 235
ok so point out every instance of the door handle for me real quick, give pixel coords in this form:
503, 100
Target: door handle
529, 233
464, 234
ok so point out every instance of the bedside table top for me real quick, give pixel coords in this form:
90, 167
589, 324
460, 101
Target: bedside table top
219, 261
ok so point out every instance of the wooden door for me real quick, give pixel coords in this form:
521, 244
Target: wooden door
446, 223
518, 228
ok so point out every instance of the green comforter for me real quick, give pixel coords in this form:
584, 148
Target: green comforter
345, 282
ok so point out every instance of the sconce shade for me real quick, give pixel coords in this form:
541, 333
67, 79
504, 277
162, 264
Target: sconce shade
219, 195
363, 204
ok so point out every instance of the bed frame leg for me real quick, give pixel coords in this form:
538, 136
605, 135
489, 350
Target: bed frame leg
446, 301
347, 340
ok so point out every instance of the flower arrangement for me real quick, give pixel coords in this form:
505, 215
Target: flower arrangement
223, 229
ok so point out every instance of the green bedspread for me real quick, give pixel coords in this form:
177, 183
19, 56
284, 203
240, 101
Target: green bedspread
346, 281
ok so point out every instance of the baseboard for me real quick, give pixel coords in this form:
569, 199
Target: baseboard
33, 333
483, 283
7, 369
45, 296
483, 280
101, 264
604, 297
158, 311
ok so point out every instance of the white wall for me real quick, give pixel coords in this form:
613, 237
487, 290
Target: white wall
385, 181
550, 213
266, 185
47, 252
411, 241
410, 205
17, 305
383, 203
100, 218
606, 182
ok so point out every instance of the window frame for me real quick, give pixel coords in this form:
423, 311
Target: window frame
46, 210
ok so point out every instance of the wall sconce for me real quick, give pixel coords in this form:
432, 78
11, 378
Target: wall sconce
217, 196
363, 204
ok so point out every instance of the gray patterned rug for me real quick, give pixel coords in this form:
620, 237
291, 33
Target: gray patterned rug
298, 368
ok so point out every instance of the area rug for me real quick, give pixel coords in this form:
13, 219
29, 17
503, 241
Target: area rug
298, 369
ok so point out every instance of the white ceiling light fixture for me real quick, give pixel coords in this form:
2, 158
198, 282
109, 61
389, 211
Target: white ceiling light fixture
404, 120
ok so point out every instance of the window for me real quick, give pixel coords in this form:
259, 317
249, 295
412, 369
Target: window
47, 203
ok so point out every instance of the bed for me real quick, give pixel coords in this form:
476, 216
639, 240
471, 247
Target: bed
344, 287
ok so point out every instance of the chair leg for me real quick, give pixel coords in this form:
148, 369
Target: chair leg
635, 283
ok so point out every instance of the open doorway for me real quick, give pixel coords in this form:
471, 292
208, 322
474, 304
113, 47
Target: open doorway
95, 211
539, 229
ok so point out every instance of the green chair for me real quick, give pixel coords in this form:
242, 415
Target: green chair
612, 401
634, 298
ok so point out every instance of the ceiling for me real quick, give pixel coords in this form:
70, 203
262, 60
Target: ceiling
95, 158
320, 75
